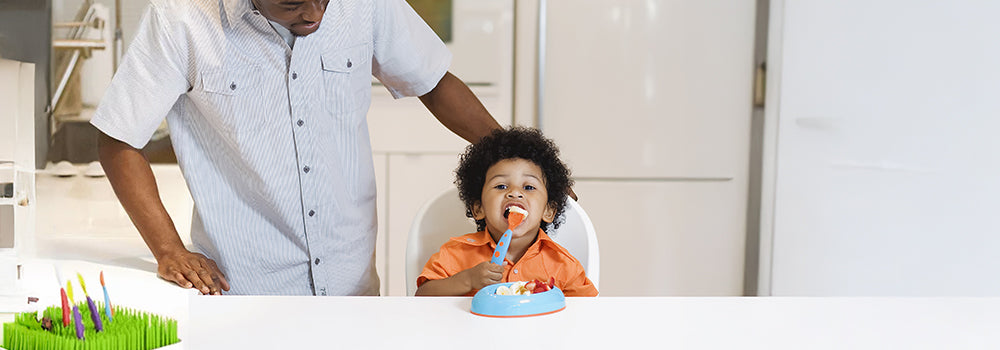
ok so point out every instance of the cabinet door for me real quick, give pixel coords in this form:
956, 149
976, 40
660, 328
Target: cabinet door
641, 89
668, 238
412, 181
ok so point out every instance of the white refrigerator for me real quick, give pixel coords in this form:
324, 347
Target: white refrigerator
650, 104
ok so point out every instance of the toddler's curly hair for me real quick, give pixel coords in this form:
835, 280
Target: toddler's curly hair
509, 143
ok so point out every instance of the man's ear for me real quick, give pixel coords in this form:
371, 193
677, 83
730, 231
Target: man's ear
549, 214
477, 211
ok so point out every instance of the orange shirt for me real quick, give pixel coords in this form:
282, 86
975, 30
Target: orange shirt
544, 259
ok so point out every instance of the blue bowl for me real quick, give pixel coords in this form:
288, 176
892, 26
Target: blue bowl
487, 303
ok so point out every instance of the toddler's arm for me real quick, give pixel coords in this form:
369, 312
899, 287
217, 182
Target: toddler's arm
473, 278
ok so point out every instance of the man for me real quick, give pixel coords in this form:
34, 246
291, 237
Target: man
266, 102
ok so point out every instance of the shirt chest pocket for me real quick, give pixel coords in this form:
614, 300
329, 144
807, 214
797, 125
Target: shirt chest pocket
347, 79
233, 97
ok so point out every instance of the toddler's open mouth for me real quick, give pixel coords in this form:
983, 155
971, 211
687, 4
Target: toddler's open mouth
519, 208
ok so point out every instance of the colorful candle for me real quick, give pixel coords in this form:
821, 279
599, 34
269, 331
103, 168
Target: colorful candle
107, 301
79, 322
69, 291
65, 307
62, 294
94, 316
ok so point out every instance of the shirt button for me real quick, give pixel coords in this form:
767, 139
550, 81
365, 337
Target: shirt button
306, 169
349, 64
232, 86
316, 261
256, 12
312, 212
515, 270
300, 122
295, 75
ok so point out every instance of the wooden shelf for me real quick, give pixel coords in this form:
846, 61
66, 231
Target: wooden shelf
78, 44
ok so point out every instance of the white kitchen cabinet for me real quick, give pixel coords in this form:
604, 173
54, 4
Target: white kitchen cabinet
413, 179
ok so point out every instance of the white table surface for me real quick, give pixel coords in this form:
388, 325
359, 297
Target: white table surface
608, 323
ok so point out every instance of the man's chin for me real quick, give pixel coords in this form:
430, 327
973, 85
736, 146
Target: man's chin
303, 30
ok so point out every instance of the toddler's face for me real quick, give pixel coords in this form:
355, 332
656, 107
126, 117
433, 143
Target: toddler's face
514, 182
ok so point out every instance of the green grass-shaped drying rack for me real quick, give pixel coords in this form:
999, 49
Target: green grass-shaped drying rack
130, 330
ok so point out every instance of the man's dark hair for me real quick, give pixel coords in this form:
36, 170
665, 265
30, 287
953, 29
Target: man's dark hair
509, 143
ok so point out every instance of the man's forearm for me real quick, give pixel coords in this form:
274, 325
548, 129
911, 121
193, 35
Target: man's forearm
458, 109
132, 179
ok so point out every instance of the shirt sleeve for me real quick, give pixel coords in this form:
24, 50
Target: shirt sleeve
441, 265
147, 84
577, 284
409, 58
570, 275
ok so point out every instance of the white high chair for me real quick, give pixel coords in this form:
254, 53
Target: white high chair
444, 217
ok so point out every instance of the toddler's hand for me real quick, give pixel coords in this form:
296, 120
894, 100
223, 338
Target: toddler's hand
484, 274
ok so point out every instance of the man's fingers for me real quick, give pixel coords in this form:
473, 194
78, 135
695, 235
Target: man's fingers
209, 281
219, 275
173, 275
179, 278
198, 283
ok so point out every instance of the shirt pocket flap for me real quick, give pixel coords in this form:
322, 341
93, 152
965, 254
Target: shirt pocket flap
223, 81
345, 60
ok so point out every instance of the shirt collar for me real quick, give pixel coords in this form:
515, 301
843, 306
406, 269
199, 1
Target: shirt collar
483, 238
237, 8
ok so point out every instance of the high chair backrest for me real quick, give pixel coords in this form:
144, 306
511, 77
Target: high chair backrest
444, 217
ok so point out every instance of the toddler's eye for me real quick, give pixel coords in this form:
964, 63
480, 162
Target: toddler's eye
500, 187
529, 187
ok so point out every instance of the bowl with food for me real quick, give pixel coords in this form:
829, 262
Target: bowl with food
518, 299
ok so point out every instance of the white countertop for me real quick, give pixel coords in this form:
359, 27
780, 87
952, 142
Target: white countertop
608, 323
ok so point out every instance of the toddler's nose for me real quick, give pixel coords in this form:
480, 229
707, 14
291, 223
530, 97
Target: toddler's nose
514, 194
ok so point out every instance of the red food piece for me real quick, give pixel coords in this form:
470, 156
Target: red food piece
540, 286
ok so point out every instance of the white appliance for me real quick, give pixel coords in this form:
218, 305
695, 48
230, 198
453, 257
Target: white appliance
650, 104
881, 167
17, 162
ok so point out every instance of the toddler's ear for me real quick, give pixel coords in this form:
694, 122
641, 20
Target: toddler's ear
477, 211
549, 214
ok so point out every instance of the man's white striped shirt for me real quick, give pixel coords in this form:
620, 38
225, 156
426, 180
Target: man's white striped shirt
273, 141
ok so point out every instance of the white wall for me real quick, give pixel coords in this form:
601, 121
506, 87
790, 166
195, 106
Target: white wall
881, 167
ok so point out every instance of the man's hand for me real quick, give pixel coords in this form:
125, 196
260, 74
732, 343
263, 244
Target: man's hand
482, 275
193, 270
